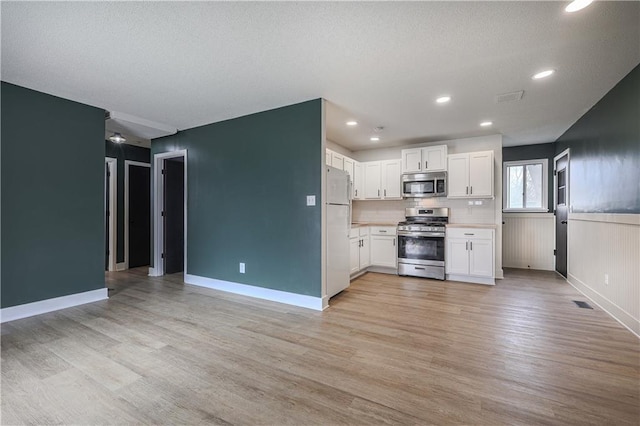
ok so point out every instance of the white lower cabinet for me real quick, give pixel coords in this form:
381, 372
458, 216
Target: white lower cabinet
470, 255
383, 246
360, 256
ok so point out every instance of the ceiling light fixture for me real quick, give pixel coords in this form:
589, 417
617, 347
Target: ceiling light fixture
543, 74
443, 99
374, 139
486, 123
577, 5
352, 123
117, 138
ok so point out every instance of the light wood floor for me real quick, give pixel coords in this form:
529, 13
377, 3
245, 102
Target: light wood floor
389, 350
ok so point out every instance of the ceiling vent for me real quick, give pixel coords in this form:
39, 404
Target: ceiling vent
509, 97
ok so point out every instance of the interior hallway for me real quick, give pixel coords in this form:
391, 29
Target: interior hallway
389, 350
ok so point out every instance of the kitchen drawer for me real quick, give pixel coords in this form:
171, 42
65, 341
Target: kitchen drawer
470, 233
382, 230
364, 231
354, 232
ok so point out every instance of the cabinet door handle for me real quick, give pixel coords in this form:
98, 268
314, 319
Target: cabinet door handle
394, 242
470, 245
472, 190
378, 192
382, 230
467, 191
356, 192
466, 245
418, 268
425, 165
468, 233
385, 192
419, 165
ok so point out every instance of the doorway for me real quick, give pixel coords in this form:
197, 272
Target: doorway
561, 205
170, 213
110, 210
137, 211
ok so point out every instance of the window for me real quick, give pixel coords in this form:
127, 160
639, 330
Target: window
525, 185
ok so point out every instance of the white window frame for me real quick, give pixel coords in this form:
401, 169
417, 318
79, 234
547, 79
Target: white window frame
545, 185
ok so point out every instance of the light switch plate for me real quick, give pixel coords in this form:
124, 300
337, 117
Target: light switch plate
311, 200
478, 202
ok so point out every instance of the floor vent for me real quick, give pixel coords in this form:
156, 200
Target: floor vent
582, 304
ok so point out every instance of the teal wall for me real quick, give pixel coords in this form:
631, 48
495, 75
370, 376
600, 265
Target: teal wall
124, 152
248, 179
605, 152
52, 196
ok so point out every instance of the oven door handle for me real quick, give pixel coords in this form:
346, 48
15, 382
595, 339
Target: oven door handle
421, 234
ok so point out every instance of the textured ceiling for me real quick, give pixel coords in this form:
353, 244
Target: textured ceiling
383, 64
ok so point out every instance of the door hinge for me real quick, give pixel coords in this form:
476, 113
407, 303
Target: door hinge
162, 213
555, 252
162, 255
555, 173
108, 174
162, 171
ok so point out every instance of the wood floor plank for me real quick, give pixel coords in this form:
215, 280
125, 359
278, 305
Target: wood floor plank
389, 350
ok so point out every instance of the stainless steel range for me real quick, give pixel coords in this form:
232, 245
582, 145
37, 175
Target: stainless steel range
421, 242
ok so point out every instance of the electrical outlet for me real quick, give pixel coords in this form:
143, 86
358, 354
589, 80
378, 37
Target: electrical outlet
470, 202
242, 267
311, 200
606, 279
478, 202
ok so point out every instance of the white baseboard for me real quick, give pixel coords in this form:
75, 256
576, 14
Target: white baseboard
121, 266
316, 303
470, 279
613, 310
43, 306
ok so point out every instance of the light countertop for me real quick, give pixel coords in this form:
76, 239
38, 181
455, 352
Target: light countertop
472, 225
359, 224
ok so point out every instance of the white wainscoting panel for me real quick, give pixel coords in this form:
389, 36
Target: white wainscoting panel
607, 244
528, 241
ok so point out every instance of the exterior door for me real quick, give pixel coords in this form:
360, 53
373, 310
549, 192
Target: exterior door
139, 216
107, 221
173, 215
561, 197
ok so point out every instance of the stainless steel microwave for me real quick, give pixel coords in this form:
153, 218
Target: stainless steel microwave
422, 185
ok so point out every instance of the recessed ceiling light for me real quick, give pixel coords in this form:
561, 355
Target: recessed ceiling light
577, 5
486, 123
352, 123
374, 139
443, 99
543, 74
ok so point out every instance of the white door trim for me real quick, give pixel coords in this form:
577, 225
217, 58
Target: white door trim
158, 201
128, 163
112, 163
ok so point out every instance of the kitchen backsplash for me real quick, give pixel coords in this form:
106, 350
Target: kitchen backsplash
393, 211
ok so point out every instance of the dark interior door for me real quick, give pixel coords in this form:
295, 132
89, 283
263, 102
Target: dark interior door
562, 202
139, 216
107, 214
173, 215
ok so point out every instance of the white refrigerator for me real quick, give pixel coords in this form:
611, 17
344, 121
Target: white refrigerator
338, 226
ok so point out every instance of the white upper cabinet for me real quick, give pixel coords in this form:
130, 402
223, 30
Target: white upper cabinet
382, 179
391, 176
427, 159
372, 180
337, 160
412, 160
470, 175
358, 181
